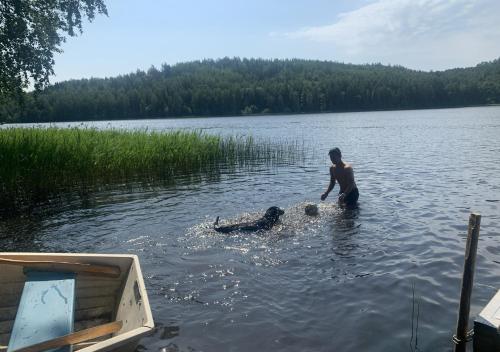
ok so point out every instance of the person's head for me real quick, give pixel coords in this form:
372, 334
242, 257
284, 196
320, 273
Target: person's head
335, 155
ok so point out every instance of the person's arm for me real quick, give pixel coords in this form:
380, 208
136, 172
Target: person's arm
331, 185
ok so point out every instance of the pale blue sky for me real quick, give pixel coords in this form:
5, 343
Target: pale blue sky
420, 34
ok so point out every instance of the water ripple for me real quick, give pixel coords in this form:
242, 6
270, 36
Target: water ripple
344, 280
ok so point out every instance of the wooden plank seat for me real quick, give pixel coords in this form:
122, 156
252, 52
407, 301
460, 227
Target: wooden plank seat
46, 310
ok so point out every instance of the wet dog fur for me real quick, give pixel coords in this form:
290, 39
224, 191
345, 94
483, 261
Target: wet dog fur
264, 223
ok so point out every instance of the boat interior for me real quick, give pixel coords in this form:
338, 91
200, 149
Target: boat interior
98, 299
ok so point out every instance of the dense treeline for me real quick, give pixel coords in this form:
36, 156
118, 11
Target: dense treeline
247, 86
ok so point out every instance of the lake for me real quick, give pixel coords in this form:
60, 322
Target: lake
384, 277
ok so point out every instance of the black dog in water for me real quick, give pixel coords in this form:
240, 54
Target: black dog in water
264, 223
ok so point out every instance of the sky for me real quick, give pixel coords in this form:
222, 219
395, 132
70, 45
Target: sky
418, 34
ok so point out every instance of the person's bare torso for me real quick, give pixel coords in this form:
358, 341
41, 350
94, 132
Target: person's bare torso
344, 176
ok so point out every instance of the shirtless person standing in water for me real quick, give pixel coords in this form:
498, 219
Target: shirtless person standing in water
342, 173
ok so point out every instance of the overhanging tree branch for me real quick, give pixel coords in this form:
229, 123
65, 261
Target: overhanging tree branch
31, 32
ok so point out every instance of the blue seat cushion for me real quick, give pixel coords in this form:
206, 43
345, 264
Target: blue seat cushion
46, 310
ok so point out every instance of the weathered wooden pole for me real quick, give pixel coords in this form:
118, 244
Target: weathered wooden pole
460, 338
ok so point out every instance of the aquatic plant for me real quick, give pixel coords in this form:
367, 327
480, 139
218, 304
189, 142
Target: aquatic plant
41, 162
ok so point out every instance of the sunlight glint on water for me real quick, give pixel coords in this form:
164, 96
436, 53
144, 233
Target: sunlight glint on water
340, 281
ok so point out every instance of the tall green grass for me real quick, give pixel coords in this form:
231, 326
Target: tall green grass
36, 163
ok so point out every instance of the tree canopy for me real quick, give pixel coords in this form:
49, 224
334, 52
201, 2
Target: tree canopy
233, 86
31, 31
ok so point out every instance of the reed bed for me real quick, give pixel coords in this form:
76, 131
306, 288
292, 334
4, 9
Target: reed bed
37, 163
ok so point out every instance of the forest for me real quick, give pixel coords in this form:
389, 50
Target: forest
234, 86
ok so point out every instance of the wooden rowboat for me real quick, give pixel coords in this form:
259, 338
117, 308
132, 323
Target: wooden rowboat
109, 312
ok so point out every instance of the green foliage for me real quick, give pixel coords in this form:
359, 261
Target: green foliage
250, 86
30, 32
39, 163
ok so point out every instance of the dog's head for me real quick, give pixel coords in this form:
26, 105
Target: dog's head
273, 213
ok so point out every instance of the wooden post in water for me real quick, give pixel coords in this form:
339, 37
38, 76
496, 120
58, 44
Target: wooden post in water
467, 280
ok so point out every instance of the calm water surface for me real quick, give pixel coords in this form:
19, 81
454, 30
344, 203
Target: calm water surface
343, 281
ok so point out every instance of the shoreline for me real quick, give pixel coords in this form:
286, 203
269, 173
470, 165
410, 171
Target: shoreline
245, 115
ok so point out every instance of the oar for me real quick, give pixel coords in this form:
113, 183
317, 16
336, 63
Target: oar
73, 338
79, 268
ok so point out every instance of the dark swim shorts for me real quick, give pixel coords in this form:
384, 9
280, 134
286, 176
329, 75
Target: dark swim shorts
351, 199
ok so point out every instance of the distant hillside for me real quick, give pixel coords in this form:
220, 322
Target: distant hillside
248, 86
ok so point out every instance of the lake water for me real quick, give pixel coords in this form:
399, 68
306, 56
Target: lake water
344, 281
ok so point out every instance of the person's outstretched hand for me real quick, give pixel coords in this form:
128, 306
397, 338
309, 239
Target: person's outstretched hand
323, 196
